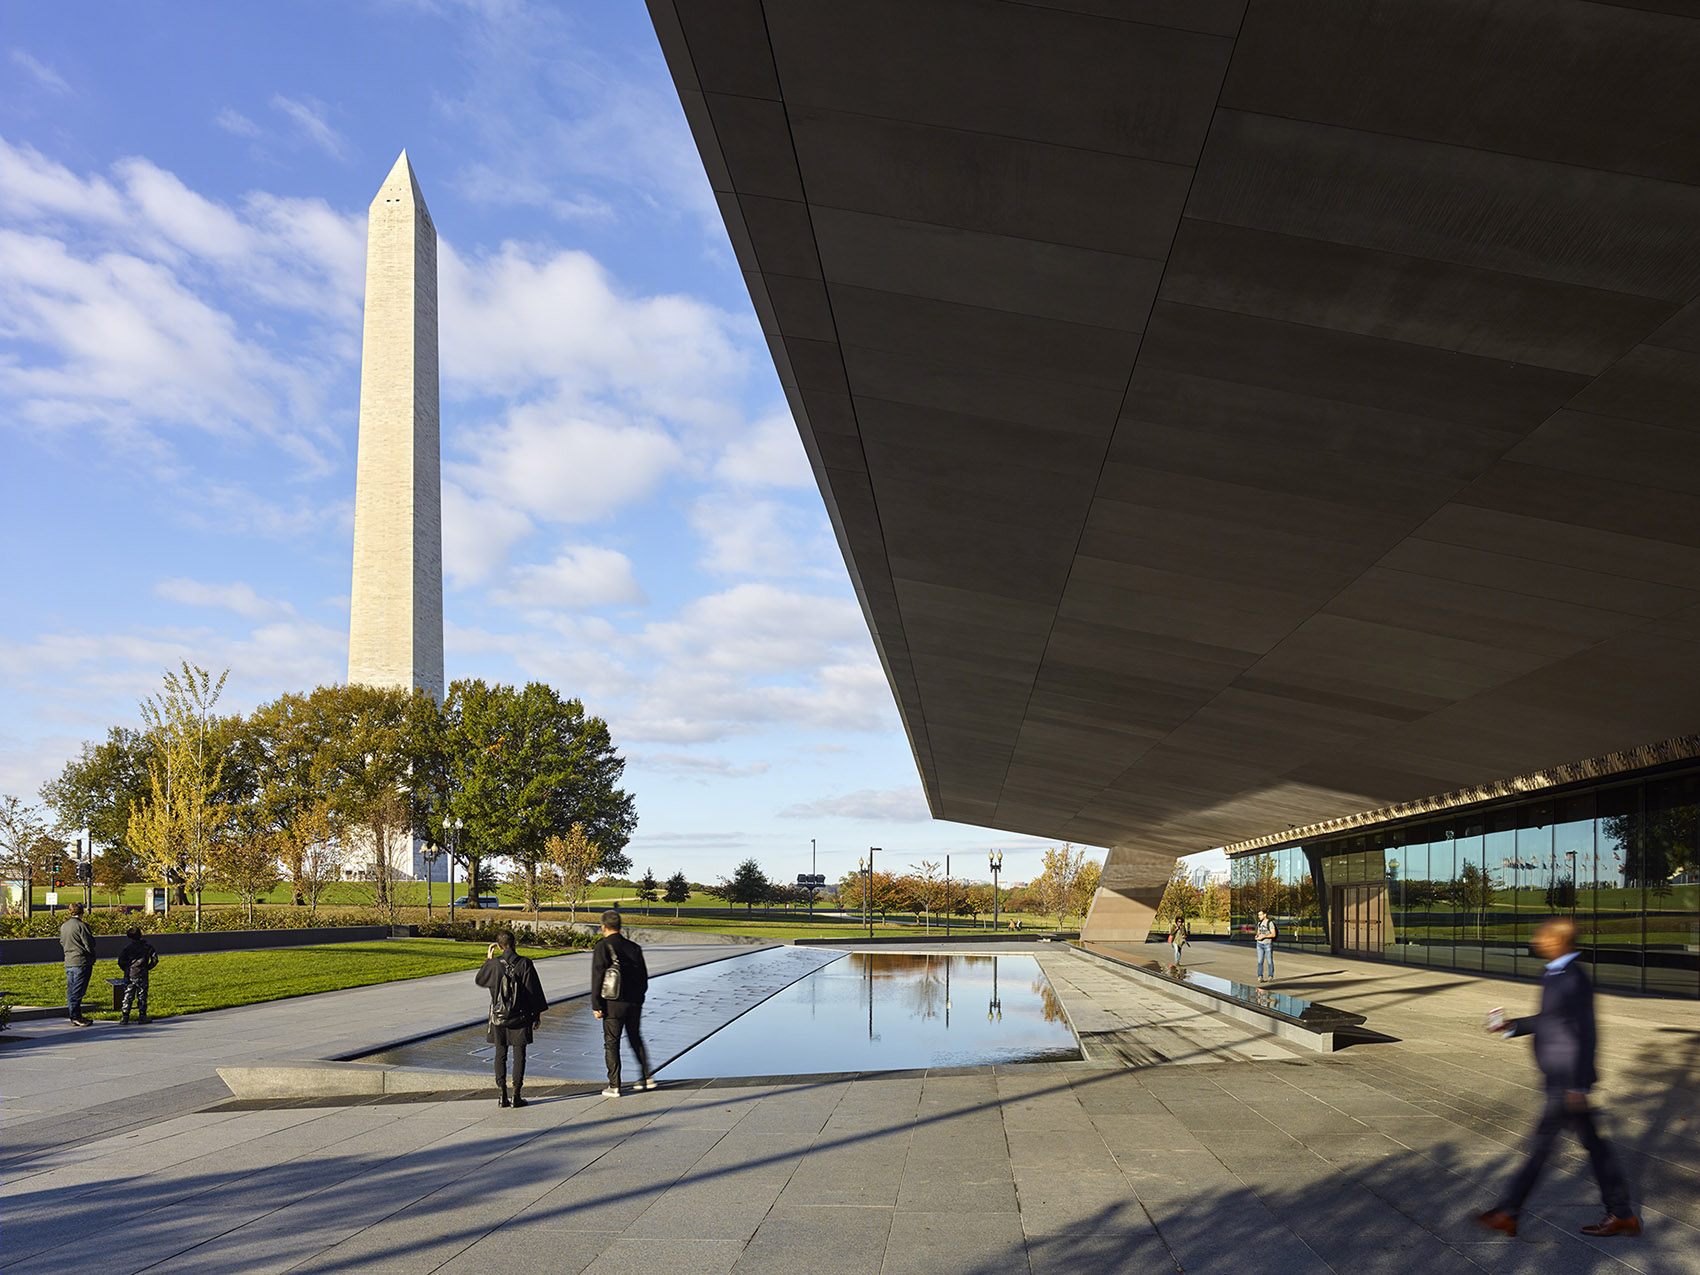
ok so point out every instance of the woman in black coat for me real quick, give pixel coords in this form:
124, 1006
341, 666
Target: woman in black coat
516, 1003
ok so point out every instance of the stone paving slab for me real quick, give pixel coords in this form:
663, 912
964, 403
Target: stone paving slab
1365, 1161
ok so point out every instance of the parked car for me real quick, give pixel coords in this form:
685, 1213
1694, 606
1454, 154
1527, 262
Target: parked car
484, 901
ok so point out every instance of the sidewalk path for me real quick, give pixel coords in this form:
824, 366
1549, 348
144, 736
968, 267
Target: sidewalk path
1367, 1161
65, 1083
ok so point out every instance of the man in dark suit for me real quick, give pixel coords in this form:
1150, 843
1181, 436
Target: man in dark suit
618, 980
1563, 1033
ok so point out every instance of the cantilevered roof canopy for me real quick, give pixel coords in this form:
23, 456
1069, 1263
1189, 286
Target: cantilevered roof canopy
1233, 415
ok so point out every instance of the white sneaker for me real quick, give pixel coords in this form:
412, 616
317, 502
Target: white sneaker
649, 1082
612, 1091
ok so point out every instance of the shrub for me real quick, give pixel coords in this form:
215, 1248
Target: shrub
486, 931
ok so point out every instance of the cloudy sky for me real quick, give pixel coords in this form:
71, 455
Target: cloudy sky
628, 514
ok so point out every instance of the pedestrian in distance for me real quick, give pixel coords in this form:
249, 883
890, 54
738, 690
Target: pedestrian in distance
78, 941
516, 1003
1178, 936
1265, 935
1564, 1036
618, 980
135, 964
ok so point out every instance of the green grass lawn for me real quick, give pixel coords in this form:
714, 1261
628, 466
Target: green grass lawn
216, 980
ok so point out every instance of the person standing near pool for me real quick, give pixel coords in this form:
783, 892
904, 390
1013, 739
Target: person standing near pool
1178, 937
516, 1003
78, 941
618, 980
1266, 936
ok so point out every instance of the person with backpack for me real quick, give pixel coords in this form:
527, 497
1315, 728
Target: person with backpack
618, 980
135, 963
1178, 936
516, 1003
1265, 935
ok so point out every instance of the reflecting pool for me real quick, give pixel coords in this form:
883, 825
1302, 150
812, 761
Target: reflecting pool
889, 1011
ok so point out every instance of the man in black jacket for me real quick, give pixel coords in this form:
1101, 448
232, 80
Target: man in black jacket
1563, 1033
618, 1000
516, 1003
136, 964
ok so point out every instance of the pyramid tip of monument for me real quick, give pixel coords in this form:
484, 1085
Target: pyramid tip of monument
402, 174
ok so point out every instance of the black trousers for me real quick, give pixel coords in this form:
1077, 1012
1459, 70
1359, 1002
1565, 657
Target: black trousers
618, 1016
1556, 1117
502, 1066
136, 993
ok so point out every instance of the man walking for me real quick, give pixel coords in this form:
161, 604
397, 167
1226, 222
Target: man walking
1266, 935
618, 981
78, 941
516, 1003
1563, 1033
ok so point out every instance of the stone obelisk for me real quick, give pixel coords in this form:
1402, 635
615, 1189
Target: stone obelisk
395, 627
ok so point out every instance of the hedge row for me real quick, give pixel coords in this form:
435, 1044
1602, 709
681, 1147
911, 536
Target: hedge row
486, 931
181, 920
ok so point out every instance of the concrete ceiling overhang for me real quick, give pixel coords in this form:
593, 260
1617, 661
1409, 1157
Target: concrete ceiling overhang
1233, 416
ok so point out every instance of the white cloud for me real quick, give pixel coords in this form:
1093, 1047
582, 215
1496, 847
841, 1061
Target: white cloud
32, 185
895, 805
478, 535
690, 766
769, 455
759, 628
523, 317
743, 537
560, 120
309, 116
580, 577
546, 463
239, 598
43, 74
236, 124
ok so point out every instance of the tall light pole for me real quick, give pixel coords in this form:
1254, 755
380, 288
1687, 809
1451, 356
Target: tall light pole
454, 826
812, 872
994, 859
868, 891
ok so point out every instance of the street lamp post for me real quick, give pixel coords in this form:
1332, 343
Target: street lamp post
430, 856
868, 889
995, 860
947, 934
454, 826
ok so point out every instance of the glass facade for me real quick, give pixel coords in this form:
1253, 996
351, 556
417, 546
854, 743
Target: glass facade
1465, 891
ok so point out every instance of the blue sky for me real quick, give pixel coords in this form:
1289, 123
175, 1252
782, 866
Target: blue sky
628, 514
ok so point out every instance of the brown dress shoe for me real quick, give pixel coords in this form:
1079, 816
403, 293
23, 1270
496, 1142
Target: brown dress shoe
1498, 1220
1614, 1225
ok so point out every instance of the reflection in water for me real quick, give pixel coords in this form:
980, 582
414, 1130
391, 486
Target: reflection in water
900, 1015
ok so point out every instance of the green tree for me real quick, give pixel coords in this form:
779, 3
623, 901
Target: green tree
678, 891
98, 789
1182, 897
174, 830
1058, 886
925, 886
517, 766
747, 886
23, 832
646, 889
574, 858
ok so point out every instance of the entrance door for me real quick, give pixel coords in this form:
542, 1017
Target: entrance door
1360, 919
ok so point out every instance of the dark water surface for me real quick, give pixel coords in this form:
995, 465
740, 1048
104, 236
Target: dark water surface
888, 1011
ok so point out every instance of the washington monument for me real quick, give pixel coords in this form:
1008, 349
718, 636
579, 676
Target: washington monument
395, 627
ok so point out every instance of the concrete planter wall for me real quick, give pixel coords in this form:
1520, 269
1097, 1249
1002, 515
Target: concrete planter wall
107, 946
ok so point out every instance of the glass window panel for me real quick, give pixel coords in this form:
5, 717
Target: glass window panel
1407, 869
1619, 901
1576, 865
1499, 922
1672, 895
1536, 876
1472, 894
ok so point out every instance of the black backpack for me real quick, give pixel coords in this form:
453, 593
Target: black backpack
508, 997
